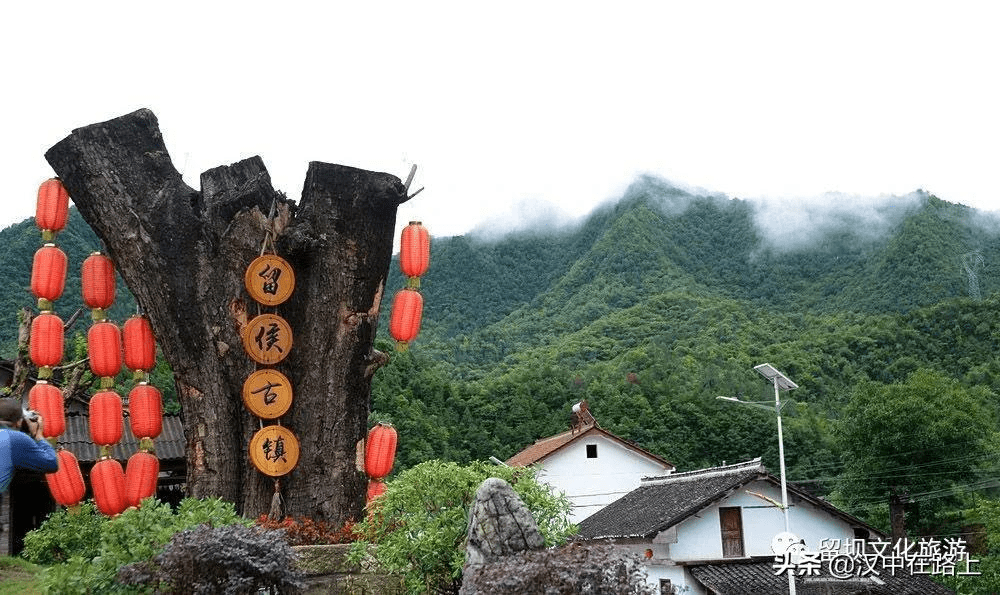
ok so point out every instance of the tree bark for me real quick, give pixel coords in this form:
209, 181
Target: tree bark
183, 254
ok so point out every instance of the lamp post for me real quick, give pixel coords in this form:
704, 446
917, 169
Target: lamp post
780, 382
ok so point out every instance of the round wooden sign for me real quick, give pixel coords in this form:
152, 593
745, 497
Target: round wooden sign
267, 393
267, 339
269, 279
274, 450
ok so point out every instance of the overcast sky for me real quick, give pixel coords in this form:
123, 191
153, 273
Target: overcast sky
518, 110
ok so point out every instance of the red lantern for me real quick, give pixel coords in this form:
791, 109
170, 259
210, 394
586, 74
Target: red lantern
404, 322
48, 275
52, 209
66, 484
380, 451
106, 424
140, 349
375, 489
47, 400
46, 339
104, 345
145, 411
98, 281
107, 480
141, 474
414, 252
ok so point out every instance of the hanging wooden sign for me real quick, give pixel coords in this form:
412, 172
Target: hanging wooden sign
267, 393
269, 279
274, 450
267, 339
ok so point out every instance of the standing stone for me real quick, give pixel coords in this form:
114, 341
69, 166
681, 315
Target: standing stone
499, 525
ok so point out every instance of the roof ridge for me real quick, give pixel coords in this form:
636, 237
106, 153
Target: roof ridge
563, 434
703, 473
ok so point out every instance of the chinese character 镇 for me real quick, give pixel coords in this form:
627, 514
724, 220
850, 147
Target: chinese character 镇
278, 446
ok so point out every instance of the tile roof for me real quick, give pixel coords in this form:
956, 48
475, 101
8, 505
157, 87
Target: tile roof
543, 447
169, 445
667, 500
757, 576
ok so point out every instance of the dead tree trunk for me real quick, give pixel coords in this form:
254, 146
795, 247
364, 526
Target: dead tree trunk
183, 254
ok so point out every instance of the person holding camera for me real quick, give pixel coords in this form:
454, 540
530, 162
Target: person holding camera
22, 445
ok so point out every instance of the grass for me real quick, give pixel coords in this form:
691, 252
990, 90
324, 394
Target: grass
19, 577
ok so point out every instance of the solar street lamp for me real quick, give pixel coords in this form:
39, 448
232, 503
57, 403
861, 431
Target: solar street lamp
780, 383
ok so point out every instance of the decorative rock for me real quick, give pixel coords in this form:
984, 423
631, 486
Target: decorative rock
499, 524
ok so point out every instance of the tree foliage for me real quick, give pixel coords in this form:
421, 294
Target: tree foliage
927, 438
420, 523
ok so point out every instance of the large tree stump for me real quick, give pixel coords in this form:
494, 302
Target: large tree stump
183, 254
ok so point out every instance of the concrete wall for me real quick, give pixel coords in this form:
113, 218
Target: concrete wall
700, 537
593, 483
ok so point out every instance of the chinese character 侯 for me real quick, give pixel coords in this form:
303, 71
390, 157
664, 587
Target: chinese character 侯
270, 276
268, 338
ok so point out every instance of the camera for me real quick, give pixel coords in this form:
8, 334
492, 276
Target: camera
28, 415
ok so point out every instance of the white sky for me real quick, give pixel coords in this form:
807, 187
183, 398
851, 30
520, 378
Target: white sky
520, 109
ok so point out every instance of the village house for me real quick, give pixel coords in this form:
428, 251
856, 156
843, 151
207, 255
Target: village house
715, 532
592, 466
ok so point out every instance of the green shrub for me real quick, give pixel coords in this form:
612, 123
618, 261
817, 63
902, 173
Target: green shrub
234, 560
85, 548
66, 533
420, 523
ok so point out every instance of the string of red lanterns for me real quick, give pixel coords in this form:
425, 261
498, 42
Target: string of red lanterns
114, 488
380, 454
408, 304
404, 325
48, 280
145, 410
106, 409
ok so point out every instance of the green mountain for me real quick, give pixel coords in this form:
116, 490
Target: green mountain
657, 303
665, 299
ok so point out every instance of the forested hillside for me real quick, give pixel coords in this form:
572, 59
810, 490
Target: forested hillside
664, 299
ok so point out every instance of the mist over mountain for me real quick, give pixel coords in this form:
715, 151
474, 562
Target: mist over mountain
833, 253
654, 304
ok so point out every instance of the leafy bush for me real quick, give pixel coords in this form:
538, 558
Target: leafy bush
567, 570
306, 531
234, 560
66, 533
420, 523
85, 548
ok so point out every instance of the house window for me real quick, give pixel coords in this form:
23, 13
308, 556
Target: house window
732, 531
591, 451
665, 587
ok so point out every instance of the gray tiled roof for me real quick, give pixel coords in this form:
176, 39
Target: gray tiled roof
662, 502
757, 576
169, 445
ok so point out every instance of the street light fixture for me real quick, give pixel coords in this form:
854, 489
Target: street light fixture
780, 383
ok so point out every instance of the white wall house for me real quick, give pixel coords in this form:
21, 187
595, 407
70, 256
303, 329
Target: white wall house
591, 466
709, 532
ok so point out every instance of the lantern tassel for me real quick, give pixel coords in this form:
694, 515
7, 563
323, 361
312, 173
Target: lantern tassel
275, 514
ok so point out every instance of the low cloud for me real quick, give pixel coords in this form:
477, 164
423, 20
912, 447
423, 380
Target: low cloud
788, 224
525, 215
